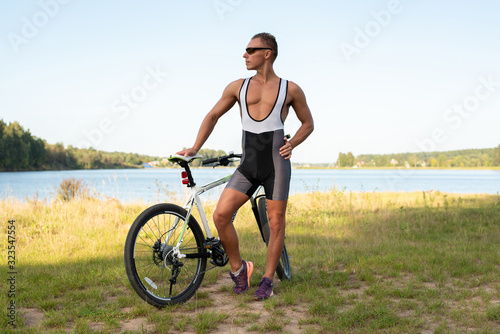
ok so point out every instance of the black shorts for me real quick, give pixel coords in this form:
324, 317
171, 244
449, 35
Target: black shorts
261, 165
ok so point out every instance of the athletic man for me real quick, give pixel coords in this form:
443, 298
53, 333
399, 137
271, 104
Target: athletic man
264, 101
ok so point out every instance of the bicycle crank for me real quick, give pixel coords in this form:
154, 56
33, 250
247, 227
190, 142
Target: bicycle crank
218, 256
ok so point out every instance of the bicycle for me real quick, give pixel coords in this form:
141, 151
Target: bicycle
166, 251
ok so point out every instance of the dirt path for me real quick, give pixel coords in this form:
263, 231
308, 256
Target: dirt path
242, 314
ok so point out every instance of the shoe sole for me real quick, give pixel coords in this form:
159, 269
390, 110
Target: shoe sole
249, 274
262, 298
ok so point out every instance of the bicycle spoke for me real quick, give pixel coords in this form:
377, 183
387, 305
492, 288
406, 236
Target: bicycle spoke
151, 261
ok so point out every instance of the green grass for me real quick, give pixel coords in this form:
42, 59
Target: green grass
361, 263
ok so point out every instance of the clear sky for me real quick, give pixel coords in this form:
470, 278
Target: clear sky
139, 76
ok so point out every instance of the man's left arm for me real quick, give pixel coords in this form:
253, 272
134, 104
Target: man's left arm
299, 105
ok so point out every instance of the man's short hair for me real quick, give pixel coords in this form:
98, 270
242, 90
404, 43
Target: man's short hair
270, 41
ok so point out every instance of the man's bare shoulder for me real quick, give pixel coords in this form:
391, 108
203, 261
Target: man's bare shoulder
236, 83
294, 90
234, 87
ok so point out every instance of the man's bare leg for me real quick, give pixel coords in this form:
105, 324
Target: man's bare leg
230, 201
276, 211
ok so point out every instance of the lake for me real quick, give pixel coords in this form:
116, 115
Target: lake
154, 184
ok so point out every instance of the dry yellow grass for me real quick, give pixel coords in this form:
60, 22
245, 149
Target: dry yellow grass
395, 262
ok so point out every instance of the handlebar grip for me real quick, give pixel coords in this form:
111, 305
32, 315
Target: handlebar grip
223, 160
209, 161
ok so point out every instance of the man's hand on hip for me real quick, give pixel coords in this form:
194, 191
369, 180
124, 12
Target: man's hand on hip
286, 150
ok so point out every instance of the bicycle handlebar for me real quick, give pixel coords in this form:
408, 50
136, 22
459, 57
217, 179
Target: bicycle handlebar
223, 160
209, 161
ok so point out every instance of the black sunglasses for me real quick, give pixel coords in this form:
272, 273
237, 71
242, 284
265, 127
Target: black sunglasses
252, 50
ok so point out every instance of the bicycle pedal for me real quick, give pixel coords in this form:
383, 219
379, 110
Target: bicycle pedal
218, 255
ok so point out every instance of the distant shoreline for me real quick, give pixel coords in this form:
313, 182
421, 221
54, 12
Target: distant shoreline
402, 168
493, 168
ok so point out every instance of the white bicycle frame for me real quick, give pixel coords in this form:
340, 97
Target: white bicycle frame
194, 200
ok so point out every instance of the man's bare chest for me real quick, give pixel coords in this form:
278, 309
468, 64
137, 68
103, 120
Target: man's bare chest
260, 99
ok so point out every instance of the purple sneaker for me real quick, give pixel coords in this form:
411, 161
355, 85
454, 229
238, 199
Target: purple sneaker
242, 280
265, 289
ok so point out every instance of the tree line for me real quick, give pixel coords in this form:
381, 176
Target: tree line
20, 151
489, 157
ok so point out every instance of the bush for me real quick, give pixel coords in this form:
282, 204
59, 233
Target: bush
72, 188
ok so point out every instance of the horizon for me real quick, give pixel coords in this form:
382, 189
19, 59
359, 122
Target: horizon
296, 162
379, 76
313, 163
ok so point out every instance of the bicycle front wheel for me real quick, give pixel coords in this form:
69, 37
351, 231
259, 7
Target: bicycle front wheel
157, 274
283, 270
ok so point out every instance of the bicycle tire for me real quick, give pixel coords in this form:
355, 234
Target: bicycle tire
283, 270
149, 269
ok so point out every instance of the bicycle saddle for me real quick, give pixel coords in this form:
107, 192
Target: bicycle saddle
176, 158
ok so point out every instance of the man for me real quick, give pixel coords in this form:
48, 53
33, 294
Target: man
264, 101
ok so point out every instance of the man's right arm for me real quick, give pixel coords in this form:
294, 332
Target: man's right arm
226, 102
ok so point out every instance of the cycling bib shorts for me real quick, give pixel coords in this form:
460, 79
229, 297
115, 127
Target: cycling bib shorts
261, 163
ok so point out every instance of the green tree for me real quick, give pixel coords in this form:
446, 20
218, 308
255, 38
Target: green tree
458, 161
16, 147
342, 160
38, 153
413, 160
56, 155
3, 129
382, 160
485, 160
350, 159
442, 161
496, 156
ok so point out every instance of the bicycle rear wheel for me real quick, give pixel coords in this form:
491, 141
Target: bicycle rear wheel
157, 275
283, 270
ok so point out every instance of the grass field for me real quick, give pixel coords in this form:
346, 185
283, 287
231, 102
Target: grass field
362, 263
